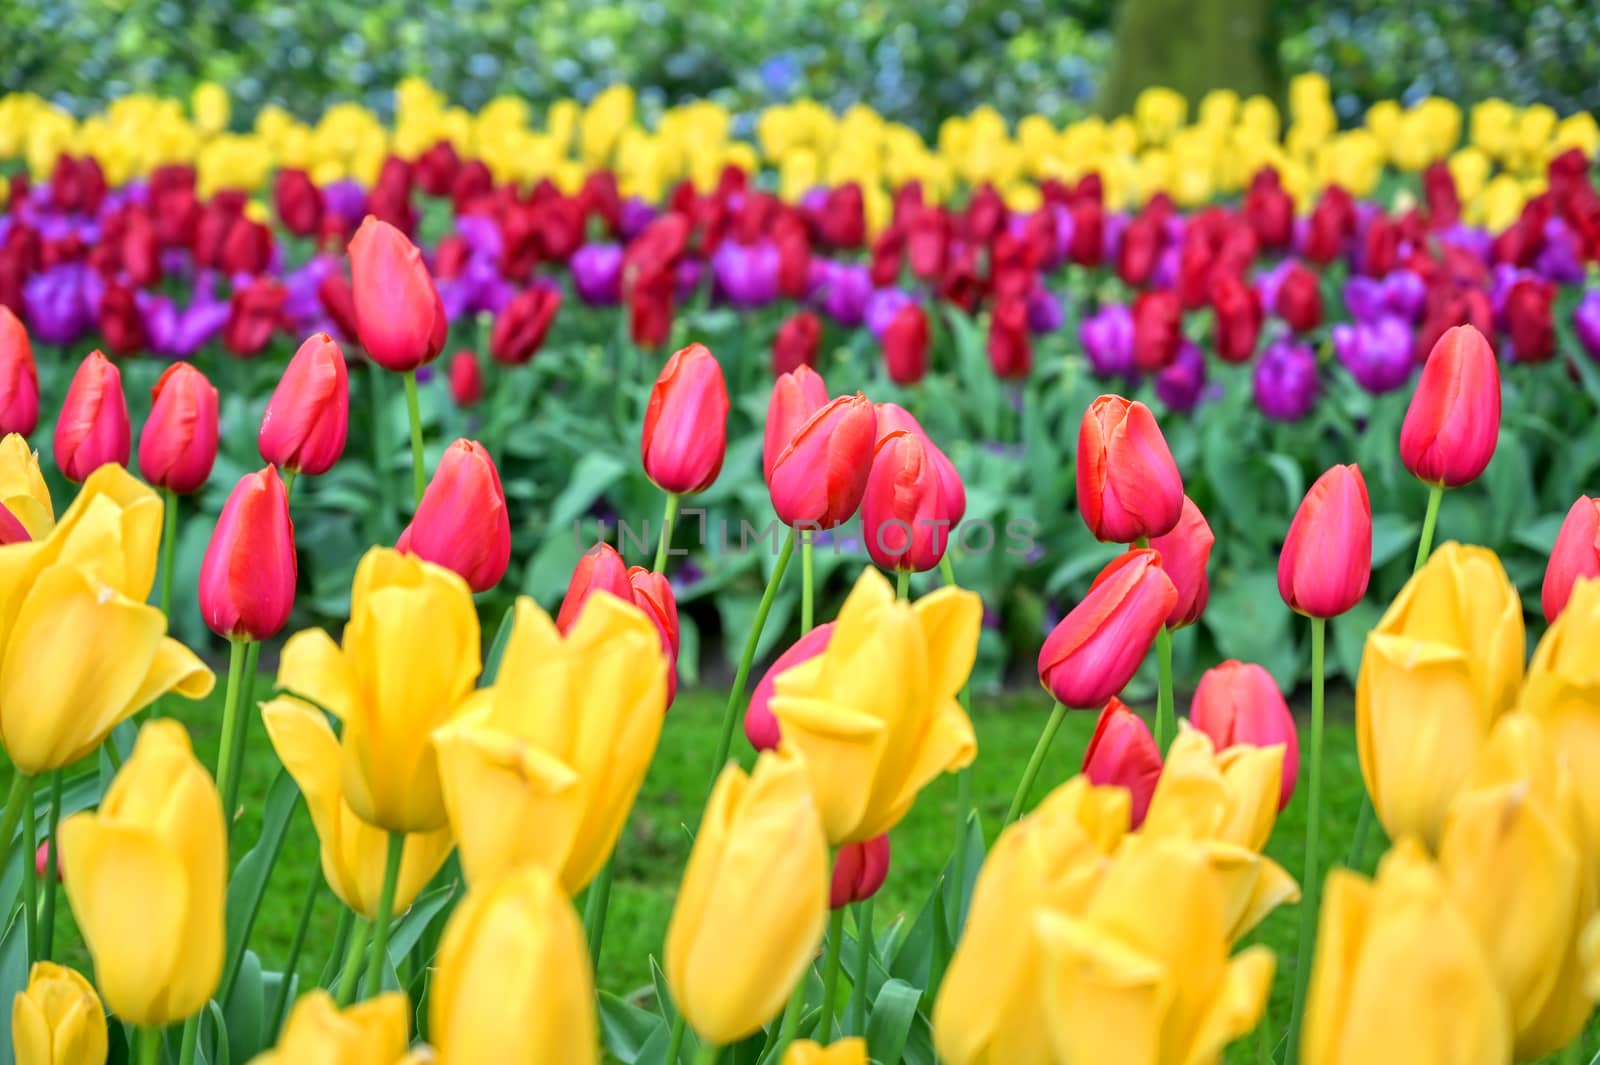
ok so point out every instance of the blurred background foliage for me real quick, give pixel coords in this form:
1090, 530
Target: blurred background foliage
914, 62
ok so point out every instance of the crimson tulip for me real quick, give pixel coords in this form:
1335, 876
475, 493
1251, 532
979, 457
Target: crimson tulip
1299, 298
520, 329
1123, 754
1128, 483
298, 201
905, 345
1529, 320
398, 315
1010, 349
903, 523
462, 523
254, 313
859, 870
1238, 318
1453, 423
466, 379
952, 493
819, 477
1575, 557
1184, 552
247, 579
796, 396
1157, 329
1095, 650
652, 593
1326, 559
796, 342
93, 428
178, 445
19, 377
308, 416
121, 321
600, 569
1239, 703
760, 723
686, 423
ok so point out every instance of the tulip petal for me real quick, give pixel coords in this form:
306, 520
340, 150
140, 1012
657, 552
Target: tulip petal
951, 619
313, 666
839, 744
1237, 1007
30, 1032
1094, 976
175, 669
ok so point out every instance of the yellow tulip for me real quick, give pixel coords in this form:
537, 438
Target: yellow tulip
1384, 119
759, 863
145, 876
512, 983
1589, 955
876, 714
1491, 127
602, 124
989, 1010
80, 651
1219, 109
22, 488
545, 767
1441, 666
407, 666
1260, 115
58, 1019
211, 107
851, 1051
1578, 131
1563, 692
1398, 977
375, 1032
1160, 112
1308, 93
1142, 976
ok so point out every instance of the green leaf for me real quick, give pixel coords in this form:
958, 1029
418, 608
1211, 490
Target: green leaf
595, 472
410, 925
249, 883
1249, 622
658, 980
1350, 636
13, 977
497, 651
890, 1020
1392, 536
246, 1011
624, 1028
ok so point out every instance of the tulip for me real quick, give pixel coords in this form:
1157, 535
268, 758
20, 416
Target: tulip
685, 425
760, 725
513, 982
902, 515
86, 585
1157, 329
819, 477
407, 665
544, 766
146, 876
859, 871
375, 1032
1399, 975
1529, 320
120, 320
466, 379
952, 493
1123, 754
1453, 423
339, 302
1285, 381
254, 313
178, 445
989, 1009
1095, 650
1563, 690
875, 713
1326, 559
19, 379
352, 851
1141, 975
1299, 299
299, 202
597, 274
1128, 485
1238, 703
905, 345
93, 428
652, 593
1107, 341
852, 1051
760, 860
1576, 556
1180, 386
1184, 552
1238, 318
307, 418
520, 329
57, 1019
600, 569
1010, 351
462, 523
1585, 323
796, 342
23, 492
796, 396
1442, 665
1377, 354
248, 576
398, 316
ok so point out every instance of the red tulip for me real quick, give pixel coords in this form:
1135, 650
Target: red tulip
308, 416
903, 522
686, 423
254, 313
1327, 555
12, 531
1299, 300
1157, 329
19, 378
818, 478
1010, 350
466, 379
952, 493
1238, 318
1529, 321
1096, 649
650, 309
462, 523
1453, 423
299, 202
796, 342
1439, 188
793, 241
248, 577
1380, 247
1184, 552
1575, 557
652, 593
1269, 210
600, 569
140, 250
399, 318
520, 329
1123, 754
41, 861
121, 321
888, 248
927, 241
1141, 245
905, 345
437, 169
337, 299
1239, 703
178, 445
1128, 484
1088, 232
796, 396
93, 428
760, 723
859, 871
843, 219
247, 247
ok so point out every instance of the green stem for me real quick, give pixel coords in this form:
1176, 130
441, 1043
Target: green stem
21, 790
675, 1043
807, 591
341, 940
947, 570
241, 736
595, 907
902, 584
281, 1001
150, 1046
189, 1041
289, 477
1166, 712
830, 974
380, 927
667, 519
30, 876
1358, 846
790, 1021
864, 947
707, 1055
730, 715
169, 547
1429, 520
419, 473
238, 654
352, 963
1308, 881
1057, 715
47, 919
382, 451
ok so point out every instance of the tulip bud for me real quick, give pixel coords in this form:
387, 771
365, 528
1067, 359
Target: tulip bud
1453, 423
23, 492
57, 1019
686, 423
308, 416
520, 329
1326, 559
652, 593
375, 1032
1239, 703
952, 493
399, 317
178, 445
818, 479
19, 379
760, 726
859, 871
466, 379
905, 345
796, 342
1576, 555
1128, 485
851, 1051
93, 428
600, 569
1096, 649
1184, 552
903, 522
1123, 754
759, 860
247, 579
146, 876
520, 937
796, 396
462, 523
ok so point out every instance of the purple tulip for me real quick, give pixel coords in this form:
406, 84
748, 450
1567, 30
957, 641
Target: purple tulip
689, 274
1113, 225
1165, 272
482, 235
1269, 281
346, 201
1476, 242
1107, 339
301, 307
746, 275
1180, 385
1586, 322
636, 215
1045, 314
1561, 258
1286, 381
845, 292
882, 306
597, 274
1404, 293
57, 303
1378, 354
1363, 297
